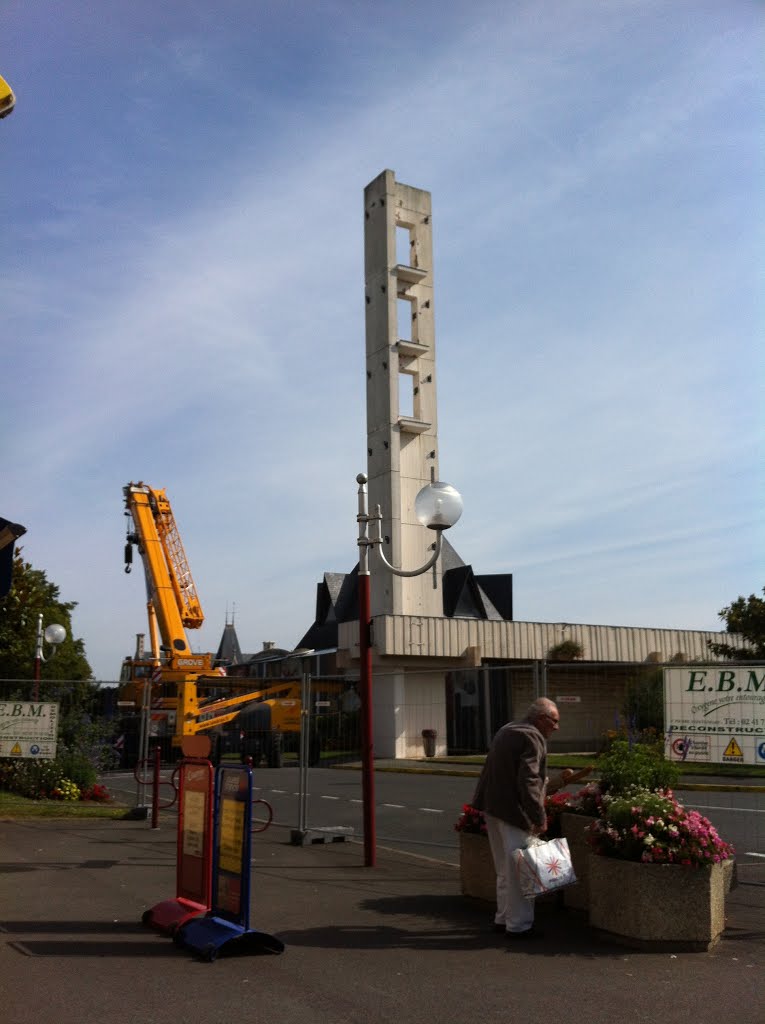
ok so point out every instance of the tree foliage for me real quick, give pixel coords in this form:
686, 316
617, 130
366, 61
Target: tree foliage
745, 615
32, 593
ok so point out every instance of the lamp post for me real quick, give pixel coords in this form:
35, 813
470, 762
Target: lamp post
437, 506
54, 635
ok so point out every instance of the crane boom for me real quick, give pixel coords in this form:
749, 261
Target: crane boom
171, 594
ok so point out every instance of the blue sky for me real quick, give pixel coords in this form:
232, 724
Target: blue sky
182, 296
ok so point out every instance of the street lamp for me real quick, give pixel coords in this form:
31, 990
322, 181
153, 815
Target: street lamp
437, 506
54, 635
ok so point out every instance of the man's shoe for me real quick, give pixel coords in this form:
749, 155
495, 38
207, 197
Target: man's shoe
530, 933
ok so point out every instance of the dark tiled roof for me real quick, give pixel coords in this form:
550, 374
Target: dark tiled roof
465, 596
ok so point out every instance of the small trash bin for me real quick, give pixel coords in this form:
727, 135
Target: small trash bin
429, 742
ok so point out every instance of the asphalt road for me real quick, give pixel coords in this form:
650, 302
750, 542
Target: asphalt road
415, 812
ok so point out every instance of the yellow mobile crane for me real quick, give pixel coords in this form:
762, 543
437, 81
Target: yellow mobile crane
186, 696
7, 99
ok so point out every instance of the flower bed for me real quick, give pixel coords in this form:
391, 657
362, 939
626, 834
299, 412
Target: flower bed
653, 828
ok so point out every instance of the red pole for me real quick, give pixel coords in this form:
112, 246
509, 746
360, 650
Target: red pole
367, 743
155, 791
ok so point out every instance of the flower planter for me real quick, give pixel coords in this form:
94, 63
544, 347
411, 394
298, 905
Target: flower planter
477, 876
657, 906
574, 829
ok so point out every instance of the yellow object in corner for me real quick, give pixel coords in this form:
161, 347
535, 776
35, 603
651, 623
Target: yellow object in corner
7, 99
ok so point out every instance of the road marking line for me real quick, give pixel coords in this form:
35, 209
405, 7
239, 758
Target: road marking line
750, 854
733, 810
278, 790
398, 807
329, 797
431, 810
355, 801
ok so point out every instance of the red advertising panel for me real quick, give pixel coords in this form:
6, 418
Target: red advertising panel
195, 832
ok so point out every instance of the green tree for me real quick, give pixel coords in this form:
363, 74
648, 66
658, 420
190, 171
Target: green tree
31, 593
745, 615
84, 738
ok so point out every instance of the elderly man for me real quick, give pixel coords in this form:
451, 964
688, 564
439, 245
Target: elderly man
511, 795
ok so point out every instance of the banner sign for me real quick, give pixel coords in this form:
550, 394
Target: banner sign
715, 714
194, 860
28, 729
233, 844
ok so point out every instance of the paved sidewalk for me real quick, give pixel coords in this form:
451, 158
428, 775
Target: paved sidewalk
394, 943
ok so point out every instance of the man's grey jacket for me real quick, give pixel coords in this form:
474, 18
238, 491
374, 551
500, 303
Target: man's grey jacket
512, 783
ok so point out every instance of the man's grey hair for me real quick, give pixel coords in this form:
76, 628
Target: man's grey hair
541, 706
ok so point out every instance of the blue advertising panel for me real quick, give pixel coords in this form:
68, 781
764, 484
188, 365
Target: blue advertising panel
232, 844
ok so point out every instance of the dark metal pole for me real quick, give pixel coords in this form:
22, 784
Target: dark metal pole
155, 790
365, 681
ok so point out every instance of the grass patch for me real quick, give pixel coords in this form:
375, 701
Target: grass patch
14, 806
559, 761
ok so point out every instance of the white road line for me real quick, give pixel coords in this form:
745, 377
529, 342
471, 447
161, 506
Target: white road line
431, 810
278, 790
398, 807
330, 797
750, 854
355, 801
733, 810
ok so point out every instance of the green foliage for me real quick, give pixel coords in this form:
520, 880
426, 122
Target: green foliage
644, 702
745, 615
84, 740
29, 778
626, 765
566, 650
77, 767
31, 594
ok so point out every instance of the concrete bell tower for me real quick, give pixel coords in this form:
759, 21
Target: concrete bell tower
402, 429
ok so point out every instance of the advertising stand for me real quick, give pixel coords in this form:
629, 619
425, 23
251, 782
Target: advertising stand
194, 850
226, 926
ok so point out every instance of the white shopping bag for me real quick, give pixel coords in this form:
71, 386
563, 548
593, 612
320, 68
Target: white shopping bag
544, 866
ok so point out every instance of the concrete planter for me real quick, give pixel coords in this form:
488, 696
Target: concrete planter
574, 829
657, 906
477, 876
